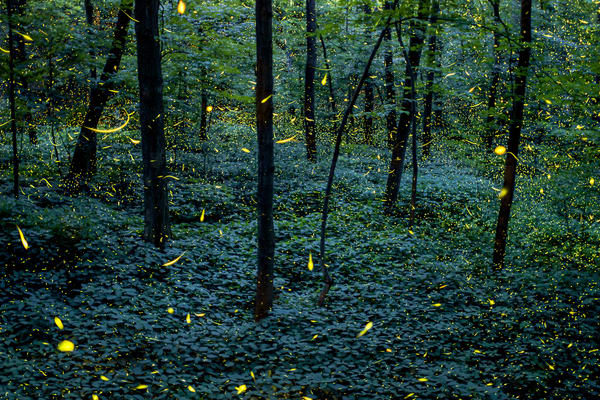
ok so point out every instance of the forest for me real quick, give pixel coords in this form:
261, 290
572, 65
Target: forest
300, 199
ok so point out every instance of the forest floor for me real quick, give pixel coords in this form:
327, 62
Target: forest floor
444, 326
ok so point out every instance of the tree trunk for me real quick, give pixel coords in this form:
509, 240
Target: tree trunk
83, 164
156, 211
327, 280
369, 94
432, 64
516, 123
330, 80
11, 98
491, 125
309, 81
89, 17
203, 105
399, 148
390, 92
266, 167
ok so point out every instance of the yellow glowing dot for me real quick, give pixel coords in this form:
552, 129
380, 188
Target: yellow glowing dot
541, 191
58, 323
503, 193
140, 387
422, 379
592, 181
500, 150
66, 346
95, 397
241, 389
191, 389
245, 150
202, 216
170, 310
365, 329
209, 109
181, 7
547, 101
104, 378
188, 319
310, 262
23, 241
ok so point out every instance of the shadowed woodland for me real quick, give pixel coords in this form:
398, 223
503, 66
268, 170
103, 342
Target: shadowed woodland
283, 199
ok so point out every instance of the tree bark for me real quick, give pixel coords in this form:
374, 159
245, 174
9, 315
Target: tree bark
399, 148
11, 97
156, 211
327, 280
330, 80
432, 64
516, 123
390, 92
89, 17
20, 57
491, 124
83, 164
309, 81
266, 167
369, 95
203, 105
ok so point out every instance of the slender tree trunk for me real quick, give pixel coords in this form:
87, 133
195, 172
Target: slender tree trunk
203, 105
330, 80
309, 81
390, 92
156, 211
327, 280
516, 123
83, 164
89, 17
11, 97
369, 94
399, 148
50, 113
20, 57
491, 114
266, 166
432, 64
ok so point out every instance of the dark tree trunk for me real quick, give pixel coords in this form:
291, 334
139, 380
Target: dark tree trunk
20, 57
203, 105
492, 98
309, 81
432, 64
327, 280
89, 17
11, 97
156, 211
83, 164
399, 148
516, 123
330, 80
369, 95
266, 167
390, 92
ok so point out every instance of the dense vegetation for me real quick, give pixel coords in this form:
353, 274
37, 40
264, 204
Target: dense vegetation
129, 240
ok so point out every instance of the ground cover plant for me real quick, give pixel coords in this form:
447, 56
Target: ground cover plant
183, 256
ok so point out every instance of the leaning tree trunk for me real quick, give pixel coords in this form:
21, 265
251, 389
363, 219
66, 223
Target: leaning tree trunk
264, 128
492, 97
514, 136
369, 95
406, 109
156, 211
390, 92
327, 279
432, 64
203, 105
309, 81
83, 164
11, 97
